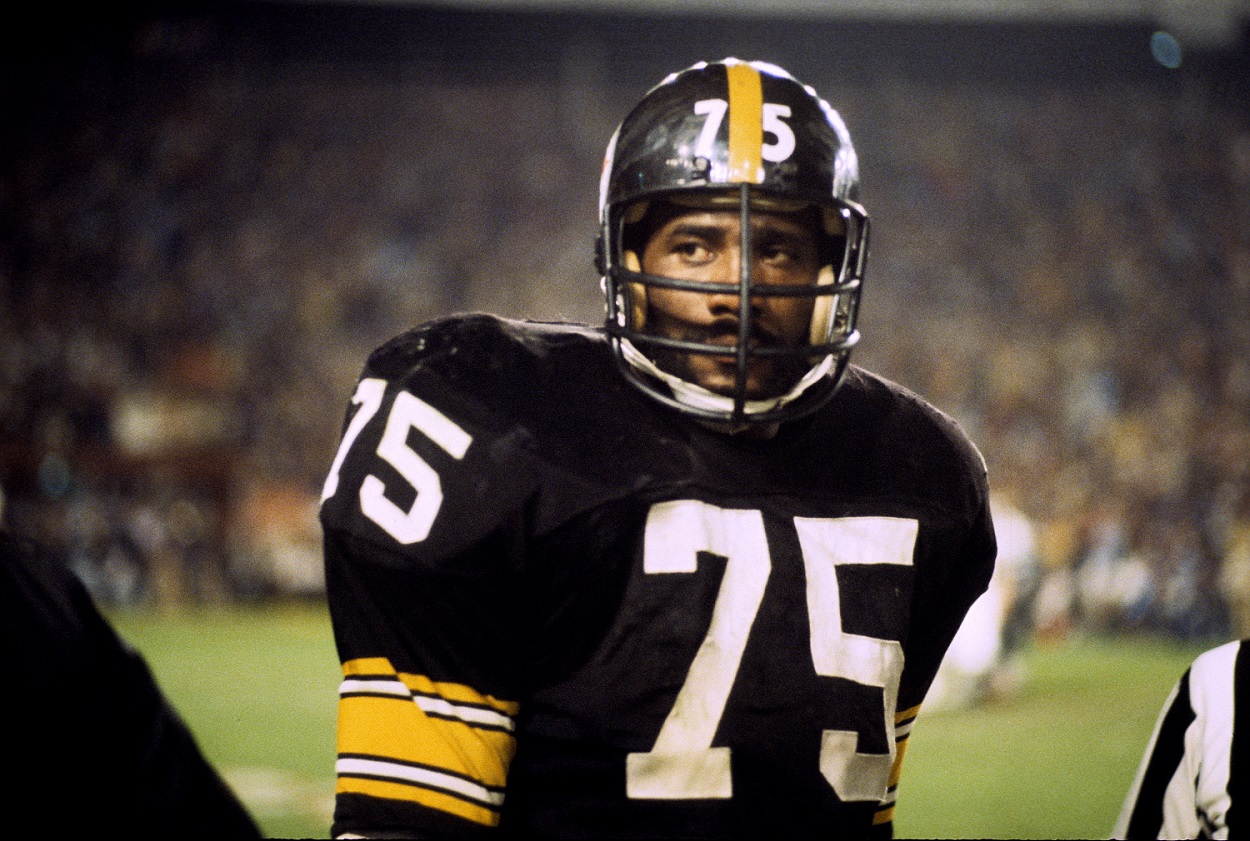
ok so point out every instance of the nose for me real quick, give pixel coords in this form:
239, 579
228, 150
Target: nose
729, 272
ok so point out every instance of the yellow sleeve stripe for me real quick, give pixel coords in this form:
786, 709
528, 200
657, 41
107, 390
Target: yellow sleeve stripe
903, 721
896, 771
394, 728
746, 124
906, 716
433, 705
395, 742
430, 797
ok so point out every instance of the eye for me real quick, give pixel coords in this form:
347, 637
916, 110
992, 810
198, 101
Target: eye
784, 251
786, 255
777, 253
693, 250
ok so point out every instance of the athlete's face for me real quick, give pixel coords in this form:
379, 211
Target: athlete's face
705, 245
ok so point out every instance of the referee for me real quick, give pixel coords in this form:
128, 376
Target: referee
1192, 780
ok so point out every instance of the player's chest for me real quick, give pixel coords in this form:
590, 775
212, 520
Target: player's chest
688, 626
790, 587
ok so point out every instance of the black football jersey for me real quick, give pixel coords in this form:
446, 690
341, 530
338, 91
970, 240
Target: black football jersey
564, 610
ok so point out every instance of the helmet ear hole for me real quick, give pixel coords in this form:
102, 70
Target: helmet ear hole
635, 212
637, 291
822, 311
831, 220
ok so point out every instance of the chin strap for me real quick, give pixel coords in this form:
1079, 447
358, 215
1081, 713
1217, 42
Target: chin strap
699, 398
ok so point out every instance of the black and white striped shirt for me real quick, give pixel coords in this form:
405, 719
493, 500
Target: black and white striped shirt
1192, 779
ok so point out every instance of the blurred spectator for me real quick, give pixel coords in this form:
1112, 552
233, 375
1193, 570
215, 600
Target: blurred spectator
204, 237
1234, 578
984, 661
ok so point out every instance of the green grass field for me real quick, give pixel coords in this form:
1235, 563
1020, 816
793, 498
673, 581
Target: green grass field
258, 688
1054, 762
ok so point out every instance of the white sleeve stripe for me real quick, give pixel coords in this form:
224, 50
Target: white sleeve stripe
468, 713
353, 686
424, 777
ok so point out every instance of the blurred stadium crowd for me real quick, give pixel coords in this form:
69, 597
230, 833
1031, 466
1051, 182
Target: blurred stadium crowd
201, 245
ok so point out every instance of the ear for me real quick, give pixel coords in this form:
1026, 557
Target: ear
823, 309
637, 291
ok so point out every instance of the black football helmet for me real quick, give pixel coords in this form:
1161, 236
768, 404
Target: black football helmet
745, 135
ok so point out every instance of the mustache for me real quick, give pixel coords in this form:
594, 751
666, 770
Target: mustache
758, 335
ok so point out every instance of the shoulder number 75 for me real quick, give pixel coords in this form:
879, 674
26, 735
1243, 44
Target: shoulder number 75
408, 412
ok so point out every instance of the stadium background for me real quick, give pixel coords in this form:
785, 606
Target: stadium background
213, 212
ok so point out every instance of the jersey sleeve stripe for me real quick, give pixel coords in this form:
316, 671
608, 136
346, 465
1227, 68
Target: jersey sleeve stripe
374, 685
903, 722
383, 686
368, 767
431, 798
405, 737
896, 770
481, 717
394, 728
381, 668
1164, 757
1239, 752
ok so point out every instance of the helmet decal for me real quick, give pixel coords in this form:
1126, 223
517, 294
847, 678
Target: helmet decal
746, 124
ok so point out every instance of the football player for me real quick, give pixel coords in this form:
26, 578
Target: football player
687, 574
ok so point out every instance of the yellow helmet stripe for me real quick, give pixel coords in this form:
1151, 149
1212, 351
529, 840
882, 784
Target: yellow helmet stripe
746, 124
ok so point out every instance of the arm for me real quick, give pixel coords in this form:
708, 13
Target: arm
945, 593
420, 551
424, 744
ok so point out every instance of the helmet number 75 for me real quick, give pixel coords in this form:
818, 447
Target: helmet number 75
683, 764
774, 116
